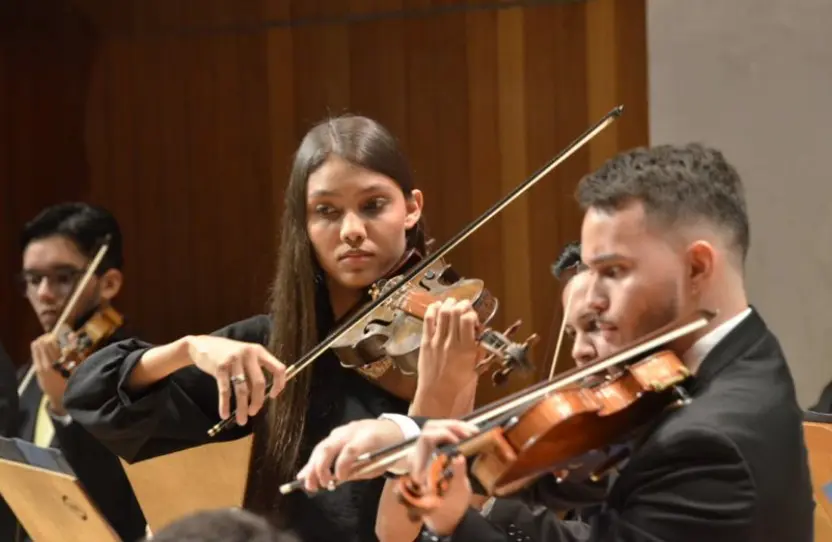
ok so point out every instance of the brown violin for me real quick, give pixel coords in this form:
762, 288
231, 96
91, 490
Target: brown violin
76, 345
421, 271
552, 427
393, 332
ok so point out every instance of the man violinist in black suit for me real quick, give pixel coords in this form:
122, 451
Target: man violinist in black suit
57, 246
665, 233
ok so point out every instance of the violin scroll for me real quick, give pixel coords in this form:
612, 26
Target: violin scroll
512, 355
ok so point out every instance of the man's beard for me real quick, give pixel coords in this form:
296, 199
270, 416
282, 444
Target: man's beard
659, 315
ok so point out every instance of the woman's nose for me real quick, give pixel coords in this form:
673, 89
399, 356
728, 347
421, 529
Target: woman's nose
353, 231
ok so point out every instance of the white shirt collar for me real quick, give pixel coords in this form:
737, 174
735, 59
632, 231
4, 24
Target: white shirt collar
702, 347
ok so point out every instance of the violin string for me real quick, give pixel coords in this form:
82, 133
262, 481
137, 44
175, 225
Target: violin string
460, 236
393, 454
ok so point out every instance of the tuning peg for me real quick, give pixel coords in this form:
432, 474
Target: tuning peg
531, 341
512, 328
500, 377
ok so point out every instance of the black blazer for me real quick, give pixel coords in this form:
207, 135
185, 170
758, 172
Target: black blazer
8, 395
98, 469
8, 423
729, 467
824, 404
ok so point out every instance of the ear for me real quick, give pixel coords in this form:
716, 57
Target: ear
413, 204
111, 284
701, 261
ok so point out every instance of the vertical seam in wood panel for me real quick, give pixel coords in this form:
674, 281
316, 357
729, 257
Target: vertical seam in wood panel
602, 77
280, 44
512, 106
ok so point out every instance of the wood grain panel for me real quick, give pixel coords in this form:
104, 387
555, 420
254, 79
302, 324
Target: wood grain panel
182, 117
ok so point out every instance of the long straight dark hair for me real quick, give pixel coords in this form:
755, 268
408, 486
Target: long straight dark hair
278, 434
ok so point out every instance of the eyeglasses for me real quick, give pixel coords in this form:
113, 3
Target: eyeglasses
61, 280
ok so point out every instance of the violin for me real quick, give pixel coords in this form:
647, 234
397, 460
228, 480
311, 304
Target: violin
366, 314
576, 416
96, 330
77, 345
393, 332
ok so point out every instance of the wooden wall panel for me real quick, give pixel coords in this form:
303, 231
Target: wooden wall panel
182, 116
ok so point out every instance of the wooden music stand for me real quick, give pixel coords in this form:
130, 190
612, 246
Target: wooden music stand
176, 485
818, 437
43, 492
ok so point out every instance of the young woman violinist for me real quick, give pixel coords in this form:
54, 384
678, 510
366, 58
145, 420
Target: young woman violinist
351, 213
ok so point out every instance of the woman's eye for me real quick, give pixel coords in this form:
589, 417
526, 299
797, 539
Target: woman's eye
325, 210
375, 204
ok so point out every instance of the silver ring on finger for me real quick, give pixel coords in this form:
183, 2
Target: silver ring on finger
238, 379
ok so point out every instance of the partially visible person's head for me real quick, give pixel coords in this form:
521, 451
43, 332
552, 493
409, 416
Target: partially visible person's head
57, 245
568, 262
225, 525
665, 231
580, 325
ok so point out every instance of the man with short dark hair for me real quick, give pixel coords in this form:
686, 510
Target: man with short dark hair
665, 234
57, 246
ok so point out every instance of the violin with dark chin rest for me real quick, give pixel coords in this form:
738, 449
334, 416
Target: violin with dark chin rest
389, 338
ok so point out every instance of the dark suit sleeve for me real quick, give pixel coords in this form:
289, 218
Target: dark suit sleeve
824, 404
171, 415
9, 407
693, 489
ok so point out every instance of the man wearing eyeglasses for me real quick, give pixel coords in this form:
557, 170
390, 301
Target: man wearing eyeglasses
57, 246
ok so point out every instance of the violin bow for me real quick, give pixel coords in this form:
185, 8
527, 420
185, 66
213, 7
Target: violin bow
430, 259
76, 293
